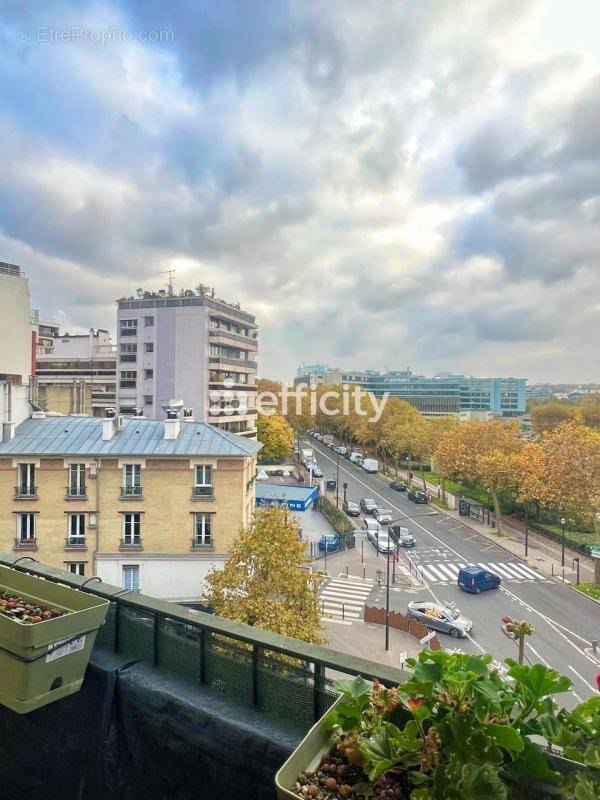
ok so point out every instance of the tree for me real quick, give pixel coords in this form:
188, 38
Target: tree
530, 468
481, 452
276, 436
263, 583
547, 416
572, 453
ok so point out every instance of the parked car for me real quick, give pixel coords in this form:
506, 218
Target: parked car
370, 465
317, 472
402, 535
351, 508
417, 497
331, 485
355, 457
372, 528
340, 449
347, 454
383, 515
368, 505
476, 579
441, 618
329, 541
398, 486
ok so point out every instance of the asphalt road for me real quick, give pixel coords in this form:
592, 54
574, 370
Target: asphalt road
565, 622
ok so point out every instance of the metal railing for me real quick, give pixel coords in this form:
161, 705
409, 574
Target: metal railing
133, 543
203, 493
75, 542
197, 544
25, 544
76, 492
274, 673
26, 491
131, 491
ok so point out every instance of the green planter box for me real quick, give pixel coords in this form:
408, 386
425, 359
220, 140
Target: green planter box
45, 661
317, 743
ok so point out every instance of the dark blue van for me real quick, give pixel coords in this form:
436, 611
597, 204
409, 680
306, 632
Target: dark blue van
476, 579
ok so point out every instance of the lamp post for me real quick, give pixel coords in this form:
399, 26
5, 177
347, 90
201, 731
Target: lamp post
562, 525
345, 488
337, 481
526, 529
387, 581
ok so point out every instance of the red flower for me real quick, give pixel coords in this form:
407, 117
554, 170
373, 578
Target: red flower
414, 703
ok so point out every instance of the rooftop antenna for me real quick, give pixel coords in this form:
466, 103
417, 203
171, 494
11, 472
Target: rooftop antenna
170, 273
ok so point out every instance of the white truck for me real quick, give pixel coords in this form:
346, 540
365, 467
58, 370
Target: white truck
307, 454
356, 457
370, 465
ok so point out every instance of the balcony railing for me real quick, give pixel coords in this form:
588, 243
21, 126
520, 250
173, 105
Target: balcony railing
131, 493
75, 493
25, 544
128, 332
26, 492
277, 674
203, 493
198, 544
131, 543
75, 543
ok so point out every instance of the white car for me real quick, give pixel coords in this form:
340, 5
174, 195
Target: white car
383, 515
372, 528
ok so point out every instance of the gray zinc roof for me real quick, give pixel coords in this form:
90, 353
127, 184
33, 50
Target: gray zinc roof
70, 436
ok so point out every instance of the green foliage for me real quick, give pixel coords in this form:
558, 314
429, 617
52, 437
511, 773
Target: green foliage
460, 730
336, 516
276, 436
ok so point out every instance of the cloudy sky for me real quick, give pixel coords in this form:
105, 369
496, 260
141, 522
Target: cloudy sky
382, 183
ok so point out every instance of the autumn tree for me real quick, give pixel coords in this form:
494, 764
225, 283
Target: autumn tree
572, 453
547, 416
402, 431
263, 583
530, 472
481, 452
276, 436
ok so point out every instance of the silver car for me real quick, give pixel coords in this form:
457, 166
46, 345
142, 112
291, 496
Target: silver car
383, 515
440, 618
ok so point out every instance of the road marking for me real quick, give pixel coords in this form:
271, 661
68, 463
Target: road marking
583, 680
343, 599
450, 570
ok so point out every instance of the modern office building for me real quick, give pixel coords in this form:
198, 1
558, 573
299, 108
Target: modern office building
190, 348
443, 394
17, 348
149, 505
75, 373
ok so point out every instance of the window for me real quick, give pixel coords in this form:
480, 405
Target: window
76, 487
128, 353
131, 528
131, 577
148, 399
26, 485
202, 530
132, 479
149, 347
149, 322
76, 528
128, 379
26, 527
203, 486
77, 567
128, 327
148, 373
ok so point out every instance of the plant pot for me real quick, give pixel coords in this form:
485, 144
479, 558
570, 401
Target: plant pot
44, 661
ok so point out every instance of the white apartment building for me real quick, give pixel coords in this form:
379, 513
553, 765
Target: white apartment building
192, 349
17, 338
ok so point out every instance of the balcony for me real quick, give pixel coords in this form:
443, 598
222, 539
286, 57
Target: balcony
75, 543
127, 358
131, 493
197, 544
131, 543
25, 493
240, 363
75, 493
203, 493
25, 544
128, 332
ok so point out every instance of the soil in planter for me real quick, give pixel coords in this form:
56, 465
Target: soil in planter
25, 612
336, 779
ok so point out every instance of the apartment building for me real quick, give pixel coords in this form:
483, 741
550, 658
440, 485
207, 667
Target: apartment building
75, 373
17, 345
193, 349
149, 505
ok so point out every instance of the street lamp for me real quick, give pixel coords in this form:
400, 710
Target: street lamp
526, 529
345, 488
337, 481
562, 525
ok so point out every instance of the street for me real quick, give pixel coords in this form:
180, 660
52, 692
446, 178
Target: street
565, 622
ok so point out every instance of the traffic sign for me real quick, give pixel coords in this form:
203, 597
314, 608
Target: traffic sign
403, 656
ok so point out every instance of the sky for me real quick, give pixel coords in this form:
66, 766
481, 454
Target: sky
383, 184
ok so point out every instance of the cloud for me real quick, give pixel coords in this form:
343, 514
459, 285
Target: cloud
382, 184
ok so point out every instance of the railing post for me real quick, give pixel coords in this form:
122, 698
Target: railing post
318, 686
156, 632
255, 655
202, 645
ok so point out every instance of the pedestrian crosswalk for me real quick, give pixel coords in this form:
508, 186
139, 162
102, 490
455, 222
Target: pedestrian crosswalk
343, 599
448, 573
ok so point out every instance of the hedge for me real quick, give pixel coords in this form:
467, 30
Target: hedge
338, 519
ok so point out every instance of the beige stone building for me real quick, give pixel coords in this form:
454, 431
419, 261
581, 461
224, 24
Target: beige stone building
146, 504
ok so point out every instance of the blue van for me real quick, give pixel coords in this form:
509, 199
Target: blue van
476, 579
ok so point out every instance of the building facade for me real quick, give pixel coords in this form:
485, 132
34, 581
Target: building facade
17, 346
148, 505
190, 348
75, 374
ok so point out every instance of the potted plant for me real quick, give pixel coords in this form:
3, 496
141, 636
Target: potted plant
457, 729
47, 632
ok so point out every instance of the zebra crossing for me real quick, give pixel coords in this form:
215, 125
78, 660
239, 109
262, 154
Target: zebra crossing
448, 573
343, 599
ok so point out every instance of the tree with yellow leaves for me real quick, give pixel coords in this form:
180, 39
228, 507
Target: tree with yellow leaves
262, 582
276, 436
481, 452
572, 453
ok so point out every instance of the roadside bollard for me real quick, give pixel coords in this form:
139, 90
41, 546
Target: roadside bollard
343, 612
346, 571
364, 573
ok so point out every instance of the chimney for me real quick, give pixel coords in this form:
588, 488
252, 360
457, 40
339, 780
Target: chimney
108, 424
172, 425
188, 414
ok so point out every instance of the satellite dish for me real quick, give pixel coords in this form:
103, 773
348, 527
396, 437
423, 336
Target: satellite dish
262, 476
